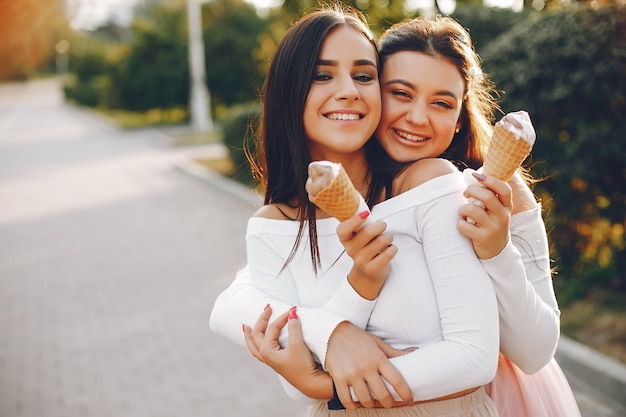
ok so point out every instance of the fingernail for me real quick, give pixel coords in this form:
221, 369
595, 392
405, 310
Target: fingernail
292, 313
243, 328
266, 307
479, 176
364, 214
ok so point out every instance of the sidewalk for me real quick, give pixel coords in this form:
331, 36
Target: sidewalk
110, 261
112, 250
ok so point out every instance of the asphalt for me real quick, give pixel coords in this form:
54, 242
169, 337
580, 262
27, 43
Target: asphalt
113, 247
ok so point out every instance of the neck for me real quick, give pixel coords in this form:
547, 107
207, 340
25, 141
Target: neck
357, 170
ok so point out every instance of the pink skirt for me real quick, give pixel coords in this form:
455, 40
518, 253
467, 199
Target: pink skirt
543, 394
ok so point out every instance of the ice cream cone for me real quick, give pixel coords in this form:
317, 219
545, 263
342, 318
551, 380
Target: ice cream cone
512, 140
339, 198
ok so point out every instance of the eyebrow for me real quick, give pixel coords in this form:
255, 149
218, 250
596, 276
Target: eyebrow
358, 62
412, 86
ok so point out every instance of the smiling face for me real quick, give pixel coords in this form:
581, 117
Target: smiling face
422, 98
343, 105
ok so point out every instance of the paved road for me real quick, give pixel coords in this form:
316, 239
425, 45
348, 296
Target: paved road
110, 259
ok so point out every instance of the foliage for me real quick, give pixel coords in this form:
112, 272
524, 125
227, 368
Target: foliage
231, 36
486, 24
567, 69
240, 126
155, 72
91, 62
149, 73
29, 30
382, 14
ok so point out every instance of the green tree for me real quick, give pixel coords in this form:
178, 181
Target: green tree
232, 32
486, 24
567, 67
155, 72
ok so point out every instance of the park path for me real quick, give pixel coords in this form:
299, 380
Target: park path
110, 261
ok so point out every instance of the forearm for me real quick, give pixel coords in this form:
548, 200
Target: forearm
523, 283
308, 388
241, 303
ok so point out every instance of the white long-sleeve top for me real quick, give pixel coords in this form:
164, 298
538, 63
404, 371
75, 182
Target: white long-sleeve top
527, 305
528, 309
438, 297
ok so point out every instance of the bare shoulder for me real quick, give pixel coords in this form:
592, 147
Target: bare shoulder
423, 171
276, 212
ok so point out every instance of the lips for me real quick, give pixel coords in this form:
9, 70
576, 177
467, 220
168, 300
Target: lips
344, 116
409, 136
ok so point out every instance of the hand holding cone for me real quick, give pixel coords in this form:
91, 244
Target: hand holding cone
512, 140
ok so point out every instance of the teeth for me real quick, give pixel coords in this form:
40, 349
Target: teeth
344, 116
409, 136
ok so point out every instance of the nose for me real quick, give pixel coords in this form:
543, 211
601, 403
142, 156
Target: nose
346, 88
417, 113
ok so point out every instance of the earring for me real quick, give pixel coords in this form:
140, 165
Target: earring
457, 130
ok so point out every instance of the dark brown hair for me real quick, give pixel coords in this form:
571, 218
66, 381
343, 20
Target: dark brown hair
282, 147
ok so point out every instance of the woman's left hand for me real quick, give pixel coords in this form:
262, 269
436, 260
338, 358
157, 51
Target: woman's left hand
295, 363
490, 231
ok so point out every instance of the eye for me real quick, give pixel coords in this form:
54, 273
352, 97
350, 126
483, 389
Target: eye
400, 94
322, 76
364, 77
443, 104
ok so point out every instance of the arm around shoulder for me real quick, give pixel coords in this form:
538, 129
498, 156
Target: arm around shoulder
523, 282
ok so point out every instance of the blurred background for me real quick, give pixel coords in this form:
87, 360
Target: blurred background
564, 61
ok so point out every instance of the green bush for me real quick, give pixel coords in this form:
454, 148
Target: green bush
90, 64
240, 126
84, 93
90, 68
154, 73
567, 69
486, 24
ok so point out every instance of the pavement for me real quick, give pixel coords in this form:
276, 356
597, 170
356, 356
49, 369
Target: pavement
113, 248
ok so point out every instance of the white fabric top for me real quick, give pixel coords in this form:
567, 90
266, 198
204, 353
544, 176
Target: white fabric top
428, 300
527, 306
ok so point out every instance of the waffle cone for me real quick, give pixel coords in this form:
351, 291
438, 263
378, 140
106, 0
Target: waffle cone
339, 199
505, 153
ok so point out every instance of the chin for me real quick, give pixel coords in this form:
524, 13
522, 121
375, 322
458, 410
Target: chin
403, 156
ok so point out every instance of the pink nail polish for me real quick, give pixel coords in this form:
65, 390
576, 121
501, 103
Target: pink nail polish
266, 307
243, 328
292, 313
364, 214
479, 176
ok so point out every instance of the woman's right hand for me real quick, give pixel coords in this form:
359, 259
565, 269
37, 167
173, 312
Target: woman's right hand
489, 228
371, 250
358, 359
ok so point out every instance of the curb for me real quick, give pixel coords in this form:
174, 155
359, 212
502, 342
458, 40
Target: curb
220, 182
602, 372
